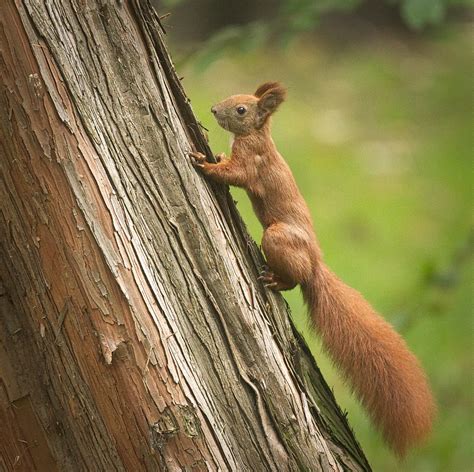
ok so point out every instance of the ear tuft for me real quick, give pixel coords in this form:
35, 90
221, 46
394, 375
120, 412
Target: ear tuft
271, 98
264, 87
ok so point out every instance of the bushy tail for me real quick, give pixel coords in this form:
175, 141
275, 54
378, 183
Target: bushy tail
375, 360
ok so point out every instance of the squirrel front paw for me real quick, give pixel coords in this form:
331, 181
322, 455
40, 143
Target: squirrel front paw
198, 159
274, 282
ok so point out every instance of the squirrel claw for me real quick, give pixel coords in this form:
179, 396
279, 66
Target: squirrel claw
270, 285
268, 278
197, 158
274, 282
266, 274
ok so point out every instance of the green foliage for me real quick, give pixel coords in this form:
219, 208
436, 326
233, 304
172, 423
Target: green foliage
420, 13
380, 142
296, 16
231, 39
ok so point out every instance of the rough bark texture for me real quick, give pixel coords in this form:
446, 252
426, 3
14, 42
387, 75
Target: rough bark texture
133, 333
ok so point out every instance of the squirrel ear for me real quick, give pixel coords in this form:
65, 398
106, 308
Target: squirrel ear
272, 97
264, 87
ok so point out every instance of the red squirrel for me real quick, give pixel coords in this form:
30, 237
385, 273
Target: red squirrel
373, 357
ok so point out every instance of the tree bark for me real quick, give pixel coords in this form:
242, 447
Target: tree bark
133, 332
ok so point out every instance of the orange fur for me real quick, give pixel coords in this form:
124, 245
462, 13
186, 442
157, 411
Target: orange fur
383, 373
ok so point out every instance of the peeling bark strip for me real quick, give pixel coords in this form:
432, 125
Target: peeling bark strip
133, 332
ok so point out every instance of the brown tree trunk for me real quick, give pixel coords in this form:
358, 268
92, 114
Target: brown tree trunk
133, 332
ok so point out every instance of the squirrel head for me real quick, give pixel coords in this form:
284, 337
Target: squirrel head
243, 114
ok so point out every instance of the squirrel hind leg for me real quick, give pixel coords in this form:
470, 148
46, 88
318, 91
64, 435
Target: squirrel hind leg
287, 254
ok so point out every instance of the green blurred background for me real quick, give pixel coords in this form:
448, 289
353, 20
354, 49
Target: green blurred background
378, 132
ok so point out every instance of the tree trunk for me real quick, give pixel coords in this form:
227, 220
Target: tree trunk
133, 332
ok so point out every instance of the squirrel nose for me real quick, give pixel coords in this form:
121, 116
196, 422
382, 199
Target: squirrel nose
213, 110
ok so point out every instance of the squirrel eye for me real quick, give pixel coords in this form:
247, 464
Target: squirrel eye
241, 110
